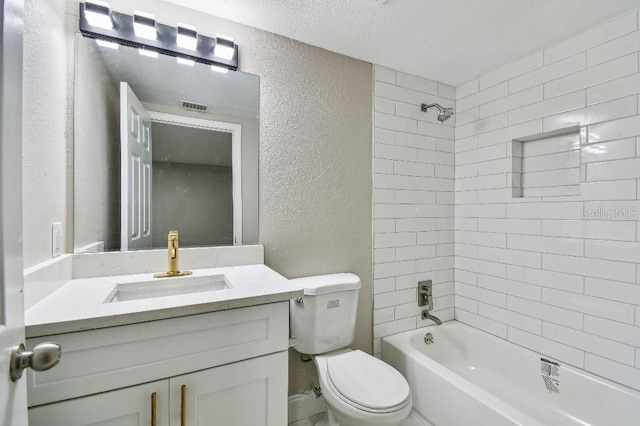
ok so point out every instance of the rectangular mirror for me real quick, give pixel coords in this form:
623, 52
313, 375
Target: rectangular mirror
162, 144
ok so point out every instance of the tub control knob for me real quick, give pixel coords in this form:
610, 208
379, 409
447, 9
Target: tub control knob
425, 294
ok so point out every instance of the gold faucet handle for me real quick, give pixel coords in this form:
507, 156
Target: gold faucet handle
173, 270
173, 244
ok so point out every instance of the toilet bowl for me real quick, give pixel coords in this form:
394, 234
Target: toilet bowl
361, 390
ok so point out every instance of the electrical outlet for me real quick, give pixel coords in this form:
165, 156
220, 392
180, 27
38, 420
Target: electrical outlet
56, 239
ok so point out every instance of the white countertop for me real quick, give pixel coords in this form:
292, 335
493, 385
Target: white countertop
80, 304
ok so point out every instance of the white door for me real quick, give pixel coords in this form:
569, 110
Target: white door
13, 395
135, 172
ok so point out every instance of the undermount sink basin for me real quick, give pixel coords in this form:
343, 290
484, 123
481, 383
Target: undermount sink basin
167, 287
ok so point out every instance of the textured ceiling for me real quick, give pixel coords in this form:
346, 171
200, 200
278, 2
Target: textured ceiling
452, 41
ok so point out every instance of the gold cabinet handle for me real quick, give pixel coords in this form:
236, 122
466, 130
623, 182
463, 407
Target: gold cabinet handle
183, 405
154, 399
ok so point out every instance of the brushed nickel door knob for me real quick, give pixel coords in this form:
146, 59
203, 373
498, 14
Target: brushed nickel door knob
44, 356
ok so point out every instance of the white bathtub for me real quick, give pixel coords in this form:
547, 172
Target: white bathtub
468, 377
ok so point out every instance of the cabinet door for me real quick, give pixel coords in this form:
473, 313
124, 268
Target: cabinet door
125, 407
251, 392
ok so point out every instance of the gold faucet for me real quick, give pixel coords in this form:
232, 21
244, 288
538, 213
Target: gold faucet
174, 270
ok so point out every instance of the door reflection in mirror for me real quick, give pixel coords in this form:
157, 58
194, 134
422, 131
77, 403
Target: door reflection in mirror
135, 172
194, 171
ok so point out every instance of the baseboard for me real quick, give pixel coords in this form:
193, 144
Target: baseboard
304, 405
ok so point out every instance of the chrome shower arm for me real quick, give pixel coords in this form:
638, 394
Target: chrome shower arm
425, 107
443, 113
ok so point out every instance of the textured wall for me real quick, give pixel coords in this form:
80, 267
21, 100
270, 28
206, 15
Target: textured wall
413, 201
46, 126
203, 214
315, 164
315, 152
557, 274
96, 153
315, 167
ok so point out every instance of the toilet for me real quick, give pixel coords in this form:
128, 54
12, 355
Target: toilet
358, 388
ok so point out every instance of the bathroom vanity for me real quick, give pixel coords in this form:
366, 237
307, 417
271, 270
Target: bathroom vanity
133, 356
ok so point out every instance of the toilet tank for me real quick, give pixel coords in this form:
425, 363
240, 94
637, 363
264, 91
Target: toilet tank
324, 319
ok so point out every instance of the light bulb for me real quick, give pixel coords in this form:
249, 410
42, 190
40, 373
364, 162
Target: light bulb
98, 14
187, 37
149, 53
107, 44
224, 48
184, 61
219, 69
144, 25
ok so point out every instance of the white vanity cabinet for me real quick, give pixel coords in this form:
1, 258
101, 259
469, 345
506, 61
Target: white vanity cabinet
220, 368
124, 407
251, 392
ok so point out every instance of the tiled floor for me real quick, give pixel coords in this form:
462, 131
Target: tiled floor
414, 419
307, 422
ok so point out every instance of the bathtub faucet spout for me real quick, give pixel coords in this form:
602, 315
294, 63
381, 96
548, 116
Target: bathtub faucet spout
427, 315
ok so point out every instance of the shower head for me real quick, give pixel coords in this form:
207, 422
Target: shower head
443, 113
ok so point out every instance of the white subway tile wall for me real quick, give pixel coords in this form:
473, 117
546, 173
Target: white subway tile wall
413, 200
556, 273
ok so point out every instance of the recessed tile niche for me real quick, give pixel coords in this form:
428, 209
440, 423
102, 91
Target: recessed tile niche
547, 164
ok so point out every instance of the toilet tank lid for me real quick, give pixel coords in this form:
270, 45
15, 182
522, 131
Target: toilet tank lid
322, 284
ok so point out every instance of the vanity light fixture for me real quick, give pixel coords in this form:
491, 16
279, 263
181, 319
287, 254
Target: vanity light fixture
144, 25
98, 14
141, 31
224, 47
187, 36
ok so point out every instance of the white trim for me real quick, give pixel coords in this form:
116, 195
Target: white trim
95, 247
304, 405
236, 148
46, 264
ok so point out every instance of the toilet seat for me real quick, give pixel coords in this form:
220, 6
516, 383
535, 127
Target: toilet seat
367, 383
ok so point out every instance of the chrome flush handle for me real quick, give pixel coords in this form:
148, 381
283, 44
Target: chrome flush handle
44, 356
